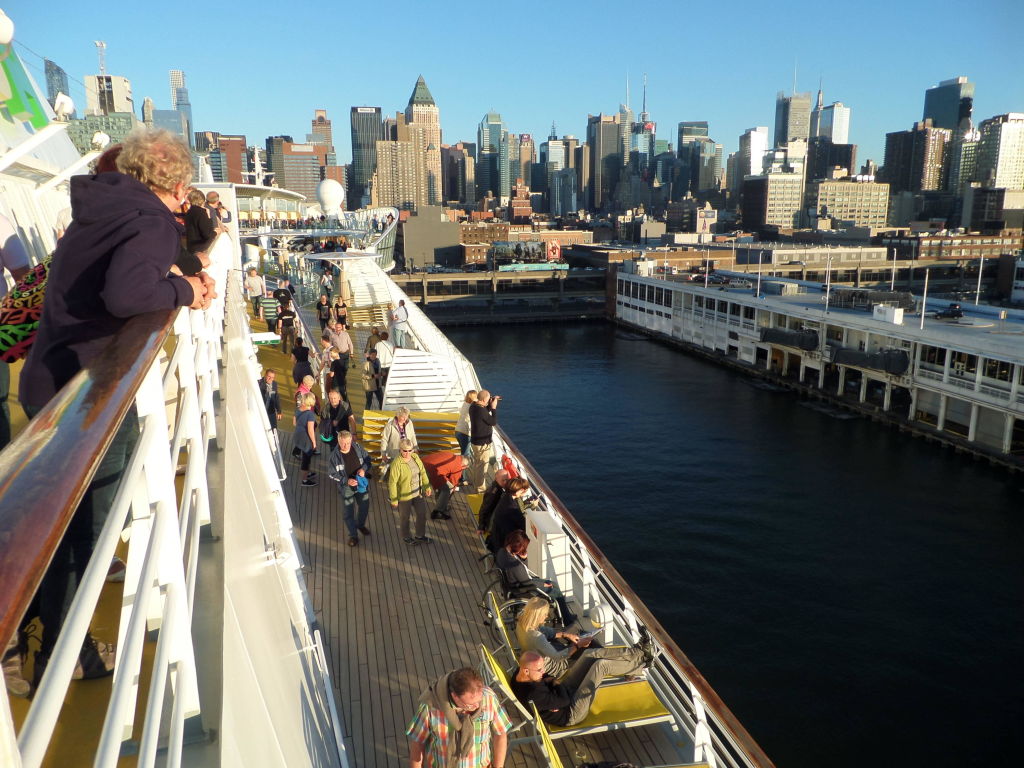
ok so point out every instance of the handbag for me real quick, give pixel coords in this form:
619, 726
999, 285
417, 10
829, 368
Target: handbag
20, 311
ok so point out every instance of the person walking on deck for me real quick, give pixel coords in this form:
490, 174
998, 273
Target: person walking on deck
408, 484
386, 355
255, 287
371, 342
399, 427
483, 415
305, 437
400, 324
458, 723
323, 311
268, 311
371, 380
350, 468
271, 397
286, 326
341, 341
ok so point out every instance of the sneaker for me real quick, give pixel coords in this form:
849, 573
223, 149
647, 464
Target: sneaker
115, 573
311, 476
423, 539
352, 541
364, 530
307, 483
409, 540
437, 514
95, 660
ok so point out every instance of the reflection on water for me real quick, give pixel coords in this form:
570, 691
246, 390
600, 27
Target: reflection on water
849, 591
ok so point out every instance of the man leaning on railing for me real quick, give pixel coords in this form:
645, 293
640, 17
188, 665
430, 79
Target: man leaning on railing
114, 262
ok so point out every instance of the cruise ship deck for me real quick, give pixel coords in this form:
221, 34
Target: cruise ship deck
396, 617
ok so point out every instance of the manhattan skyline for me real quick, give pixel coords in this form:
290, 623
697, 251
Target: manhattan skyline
565, 65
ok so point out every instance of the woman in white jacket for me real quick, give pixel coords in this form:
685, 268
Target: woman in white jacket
398, 427
462, 425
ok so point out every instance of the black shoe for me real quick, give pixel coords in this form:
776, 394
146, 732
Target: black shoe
437, 514
409, 540
569, 619
307, 483
423, 539
311, 476
96, 659
645, 646
364, 530
352, 541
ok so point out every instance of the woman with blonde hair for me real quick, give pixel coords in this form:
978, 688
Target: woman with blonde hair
399, 427
462, 424
533, 634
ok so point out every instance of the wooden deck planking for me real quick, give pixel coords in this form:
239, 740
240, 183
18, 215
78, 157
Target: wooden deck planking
397, 617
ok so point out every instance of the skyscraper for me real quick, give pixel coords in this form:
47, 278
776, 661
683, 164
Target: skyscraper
488, 175
1001, 151
367, 130
183, 106
320, 129
625, 131
832, 122
424, 121
177, 78
962, 158
56, 81
603, 138
914, 159
750, 158
792, 117
949, 102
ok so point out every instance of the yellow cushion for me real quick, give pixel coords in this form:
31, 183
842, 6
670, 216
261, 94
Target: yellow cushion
501, 624
619, 704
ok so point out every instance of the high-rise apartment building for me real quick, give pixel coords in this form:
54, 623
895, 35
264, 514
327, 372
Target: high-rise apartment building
367, 130
563, 192
1001, 151
395, 182
458, 169
914, 159
106, 94
56, 81
949, 102
424, 122
962, 158
236, 157
526, 158
603, 138
792, 117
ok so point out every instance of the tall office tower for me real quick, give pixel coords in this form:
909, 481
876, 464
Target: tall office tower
177, 78
949, 102
571, 144
625, 131
424, 121
753, 146
1001, 151
554, 157
527, 157
732, 163
603, 138
488, 176
792, 117
962, 158
56, 82
183, 106
914, 159
367, 130
563, 192
832, 121
105, 94
823, 156
457, 167
706, 159
203, 141
172, 120
508, 149
582, 165
320, 129
690, 136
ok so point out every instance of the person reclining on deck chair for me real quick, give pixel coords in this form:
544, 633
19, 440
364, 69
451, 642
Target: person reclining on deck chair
563, 649
568, 702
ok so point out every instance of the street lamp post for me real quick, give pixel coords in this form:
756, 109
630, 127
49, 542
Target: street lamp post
924, 297
757, 291
977, 291
892, 282
828, 281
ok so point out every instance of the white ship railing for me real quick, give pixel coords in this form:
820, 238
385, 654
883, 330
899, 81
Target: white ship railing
47, 469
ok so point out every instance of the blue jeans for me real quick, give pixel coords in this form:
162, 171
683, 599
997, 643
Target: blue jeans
463, 440
357, 508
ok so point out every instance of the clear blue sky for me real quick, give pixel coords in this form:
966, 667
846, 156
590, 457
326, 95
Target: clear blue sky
261, 68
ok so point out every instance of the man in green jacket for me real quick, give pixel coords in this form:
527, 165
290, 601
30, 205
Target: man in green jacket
408, 484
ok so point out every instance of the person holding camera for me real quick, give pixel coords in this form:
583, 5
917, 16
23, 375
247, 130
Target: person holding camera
483, 416
218, 213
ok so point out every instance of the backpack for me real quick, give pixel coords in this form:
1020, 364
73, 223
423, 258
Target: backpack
20, 311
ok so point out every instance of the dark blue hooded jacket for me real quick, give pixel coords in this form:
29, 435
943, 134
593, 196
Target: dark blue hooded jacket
110, 265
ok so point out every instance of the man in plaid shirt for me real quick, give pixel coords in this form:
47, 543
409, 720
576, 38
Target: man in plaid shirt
453, 720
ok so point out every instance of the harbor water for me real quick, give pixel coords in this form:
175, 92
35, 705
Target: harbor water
854, 594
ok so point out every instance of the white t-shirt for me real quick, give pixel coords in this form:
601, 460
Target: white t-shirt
385, 353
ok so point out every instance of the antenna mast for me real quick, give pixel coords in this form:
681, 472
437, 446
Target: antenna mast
101, 51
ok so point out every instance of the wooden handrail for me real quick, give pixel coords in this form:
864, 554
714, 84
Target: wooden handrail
712, 701
46, 470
